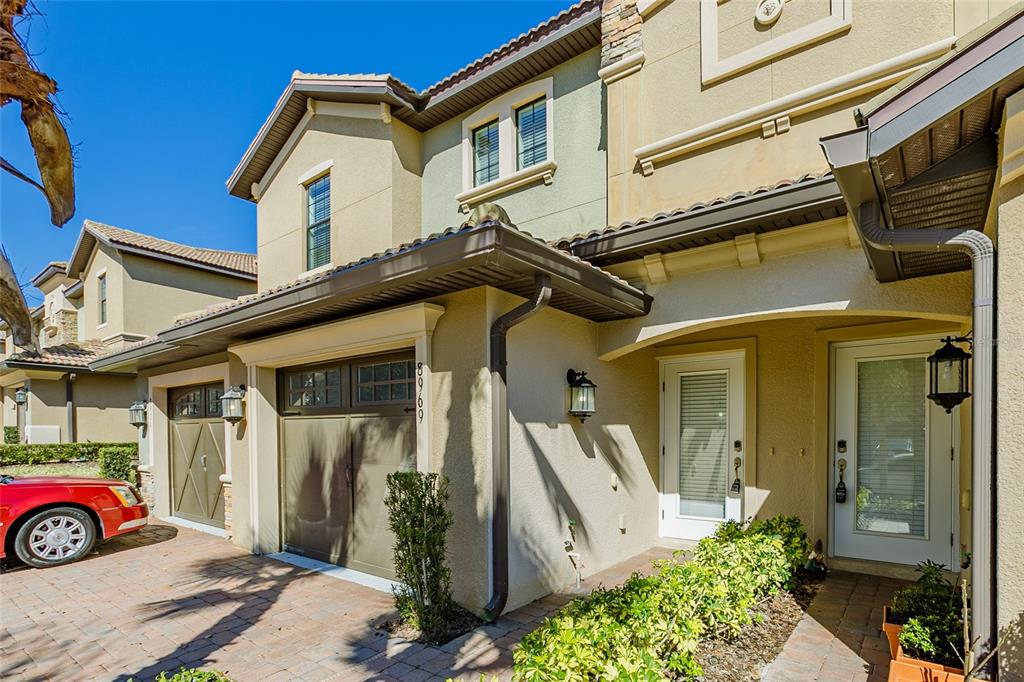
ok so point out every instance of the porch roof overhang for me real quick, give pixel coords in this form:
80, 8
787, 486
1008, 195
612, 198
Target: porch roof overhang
925, 150
488, 254
811, 198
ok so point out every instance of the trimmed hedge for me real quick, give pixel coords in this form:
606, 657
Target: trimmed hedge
56, 452
118, 462
650, 627
11, 435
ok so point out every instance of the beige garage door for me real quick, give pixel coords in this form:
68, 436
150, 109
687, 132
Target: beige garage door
346, 426
197, 454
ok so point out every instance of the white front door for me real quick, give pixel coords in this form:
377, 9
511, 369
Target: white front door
702, 438
896, 451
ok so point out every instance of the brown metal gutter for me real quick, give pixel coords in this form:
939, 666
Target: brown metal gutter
69, 396
847, 153
500, 469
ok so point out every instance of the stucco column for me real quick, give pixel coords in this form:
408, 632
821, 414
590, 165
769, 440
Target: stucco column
424, 400
262, 427
1009, 428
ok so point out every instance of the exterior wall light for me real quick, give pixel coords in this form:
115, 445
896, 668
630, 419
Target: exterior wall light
948, 374
232, 404
582, 398
137, 413
21, 396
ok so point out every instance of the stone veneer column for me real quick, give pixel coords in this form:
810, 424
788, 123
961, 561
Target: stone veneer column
228, 508
620, 30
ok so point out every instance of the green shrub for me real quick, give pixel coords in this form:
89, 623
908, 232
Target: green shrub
193, 675
419, 517
930, 595
118, 462
55, 452
788, 529
11, 435
936, 638
649, 627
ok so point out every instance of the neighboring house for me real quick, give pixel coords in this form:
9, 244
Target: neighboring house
749, 351
118, 288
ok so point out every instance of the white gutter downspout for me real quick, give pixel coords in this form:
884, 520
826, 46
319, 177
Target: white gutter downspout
847, 155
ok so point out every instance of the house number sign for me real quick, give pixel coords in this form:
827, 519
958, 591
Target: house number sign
419, 392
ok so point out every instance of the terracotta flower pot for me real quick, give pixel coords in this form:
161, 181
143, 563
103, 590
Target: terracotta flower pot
906, 669
891, 630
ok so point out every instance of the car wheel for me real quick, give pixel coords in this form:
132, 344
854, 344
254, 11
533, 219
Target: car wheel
54, 537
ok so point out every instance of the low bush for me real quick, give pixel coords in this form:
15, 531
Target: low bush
649, 627
118, 462
11, 435
930, 595
55, 452
419, 517
193, 675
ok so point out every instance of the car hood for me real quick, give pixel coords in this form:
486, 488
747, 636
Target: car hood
62, 480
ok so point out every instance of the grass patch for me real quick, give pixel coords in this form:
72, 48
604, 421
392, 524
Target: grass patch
87, 469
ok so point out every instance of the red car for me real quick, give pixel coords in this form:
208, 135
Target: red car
53, 520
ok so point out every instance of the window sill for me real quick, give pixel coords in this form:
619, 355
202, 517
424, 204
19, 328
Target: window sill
540, 171
317, 270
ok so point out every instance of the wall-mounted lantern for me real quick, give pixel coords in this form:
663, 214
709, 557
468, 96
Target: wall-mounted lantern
582, 398
232, 404
948, 374
21, 396
137, 413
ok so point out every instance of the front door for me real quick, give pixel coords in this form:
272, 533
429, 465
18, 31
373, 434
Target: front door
895, 450
197, 454
702, 436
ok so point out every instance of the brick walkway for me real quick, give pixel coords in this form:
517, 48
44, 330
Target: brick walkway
170, 596
839, 638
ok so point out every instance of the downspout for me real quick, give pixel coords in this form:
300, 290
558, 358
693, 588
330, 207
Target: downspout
499, 441
69, 396
847, 154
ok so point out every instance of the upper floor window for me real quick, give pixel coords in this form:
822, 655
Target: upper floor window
101, 296
318, 222
485, 153
532, 133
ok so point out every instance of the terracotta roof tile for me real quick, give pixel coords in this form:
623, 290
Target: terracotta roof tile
234, 261
65, 355
523, 40
567, 243
407, 89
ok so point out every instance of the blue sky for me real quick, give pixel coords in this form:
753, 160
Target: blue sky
162, 99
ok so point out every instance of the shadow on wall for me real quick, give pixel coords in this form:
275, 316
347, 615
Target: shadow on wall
1011, 658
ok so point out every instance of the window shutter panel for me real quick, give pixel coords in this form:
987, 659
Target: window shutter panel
532, 127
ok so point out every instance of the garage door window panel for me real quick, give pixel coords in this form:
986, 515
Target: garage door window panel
386, 383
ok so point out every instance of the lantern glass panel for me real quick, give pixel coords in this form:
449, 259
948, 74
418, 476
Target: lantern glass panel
231, 405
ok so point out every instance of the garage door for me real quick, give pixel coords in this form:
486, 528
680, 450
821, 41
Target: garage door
345, 427
197, 454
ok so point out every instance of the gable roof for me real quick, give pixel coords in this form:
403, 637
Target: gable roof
562, 37
231, 263
54, 267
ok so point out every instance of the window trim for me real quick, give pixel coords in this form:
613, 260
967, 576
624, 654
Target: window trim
307, 267
102, 299
175, 392
509, 176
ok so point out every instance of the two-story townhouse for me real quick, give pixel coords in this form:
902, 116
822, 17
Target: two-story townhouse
117, 288
751, 352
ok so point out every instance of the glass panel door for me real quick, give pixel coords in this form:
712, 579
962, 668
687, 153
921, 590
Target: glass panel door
702, 432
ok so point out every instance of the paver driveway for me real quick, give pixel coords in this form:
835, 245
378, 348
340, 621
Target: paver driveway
170, 596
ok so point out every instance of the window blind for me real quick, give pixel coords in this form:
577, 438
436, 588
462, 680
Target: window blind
532, 131
703, 444
891, 446
485, 153
318, 232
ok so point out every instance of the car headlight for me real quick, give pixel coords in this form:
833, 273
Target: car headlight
126, 495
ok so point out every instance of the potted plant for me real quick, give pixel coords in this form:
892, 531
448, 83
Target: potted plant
930, 594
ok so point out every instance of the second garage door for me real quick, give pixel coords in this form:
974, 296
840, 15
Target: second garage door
345, 427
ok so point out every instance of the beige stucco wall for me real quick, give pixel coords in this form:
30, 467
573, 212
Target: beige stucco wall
155, 292
103, 260
1010, 385
667, 96
374, 193
574, 201
101, 406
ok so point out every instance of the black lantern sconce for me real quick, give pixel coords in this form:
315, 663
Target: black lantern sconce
232, 404
137, 413
948, 373
582, 398
21, 396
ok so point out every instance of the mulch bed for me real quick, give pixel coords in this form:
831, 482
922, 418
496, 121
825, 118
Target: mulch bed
760, 642
461, 622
